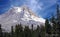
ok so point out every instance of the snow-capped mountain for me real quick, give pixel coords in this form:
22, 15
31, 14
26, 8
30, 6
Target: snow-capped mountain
17, 15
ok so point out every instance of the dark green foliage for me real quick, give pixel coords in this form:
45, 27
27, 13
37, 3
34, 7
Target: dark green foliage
54, 25
42, 31
1, 34
58, 21
47, 27
27, 32
58, 13
12, 32
18, 31
37, 31
32, 27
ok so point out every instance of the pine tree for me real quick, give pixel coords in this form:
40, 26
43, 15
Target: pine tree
47, 28
42, 31
1, 33
12, 32
58, 20
16, 31
54, 26
20, 30
32, 30
38, 31
32, 27
58, 13
27, 32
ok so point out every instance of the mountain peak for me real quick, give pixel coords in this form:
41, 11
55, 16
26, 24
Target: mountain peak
17, 9
23, 8
17, 15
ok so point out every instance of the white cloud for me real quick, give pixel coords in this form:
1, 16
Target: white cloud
41, 5
34, 5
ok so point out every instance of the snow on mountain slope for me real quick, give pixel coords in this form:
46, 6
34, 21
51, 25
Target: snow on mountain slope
17, 15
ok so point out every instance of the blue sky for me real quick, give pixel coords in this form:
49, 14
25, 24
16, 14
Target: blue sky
43, 8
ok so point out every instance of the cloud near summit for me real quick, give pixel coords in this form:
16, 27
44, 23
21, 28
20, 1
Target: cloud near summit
40, 7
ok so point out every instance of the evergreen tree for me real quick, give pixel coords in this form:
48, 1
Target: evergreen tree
27, 32
42, 31
54, 26
58, 20
1, 33
58, 13
32, 30
20, 30
38, 31
32, 27
12, 32
47, 26
16, 31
